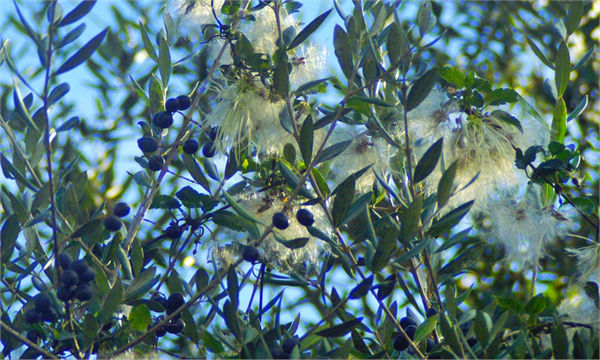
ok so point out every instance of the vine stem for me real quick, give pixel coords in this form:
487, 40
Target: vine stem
26, 341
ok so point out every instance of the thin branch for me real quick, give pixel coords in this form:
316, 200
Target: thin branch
26, 341
47, 143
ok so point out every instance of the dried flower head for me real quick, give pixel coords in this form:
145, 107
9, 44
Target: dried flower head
134, 355
524, 228
588, 262
435, 117
309, 64
483, 147
364, 150
244, 109
190, 15
580, 308
262, 33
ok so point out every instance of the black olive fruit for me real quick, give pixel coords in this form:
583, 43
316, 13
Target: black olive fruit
407, 321
33, 316
163, 119
147, 144
289, 344
88, 275
184, 102
431, 312
430, 344
42, 301
64, 293
280, 221
79, 266
172, 105
208, 150
175, 326
156, 162
213, 132
191, 146
64, 260
50, 315
33, 336
277, 353
108, 326
162, 331
162, 301
69, 278
173, 232
400, 343
121, 209
410, 331
84, 293
175, 302
305, 217
250, 254
112, 223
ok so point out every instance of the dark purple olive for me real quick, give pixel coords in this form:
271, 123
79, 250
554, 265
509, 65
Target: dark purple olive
172, 105
305, 217
69, 278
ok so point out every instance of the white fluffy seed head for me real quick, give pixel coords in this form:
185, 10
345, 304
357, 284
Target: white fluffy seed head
244, 109
364, 150
309, 64
580, 308
481, 146
261, 33
134, 355
588, 262
190, 15
433, 118
524, 228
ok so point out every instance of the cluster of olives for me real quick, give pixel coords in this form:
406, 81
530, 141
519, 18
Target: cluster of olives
112, 223
75, 279
192, 146
304, 217
164, 119
285, 351
176, 324
409, 325
33, 336
41, 311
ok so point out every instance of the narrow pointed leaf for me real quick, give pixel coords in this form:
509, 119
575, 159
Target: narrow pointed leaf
83, 54
342, 201
333, 151
341, 329
420, 89
362, 289
563, 68
309, 29
77, 13
164, 61
429, 161
342, 46
306, 140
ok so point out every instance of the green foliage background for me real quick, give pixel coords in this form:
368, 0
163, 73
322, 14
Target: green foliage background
94, 153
